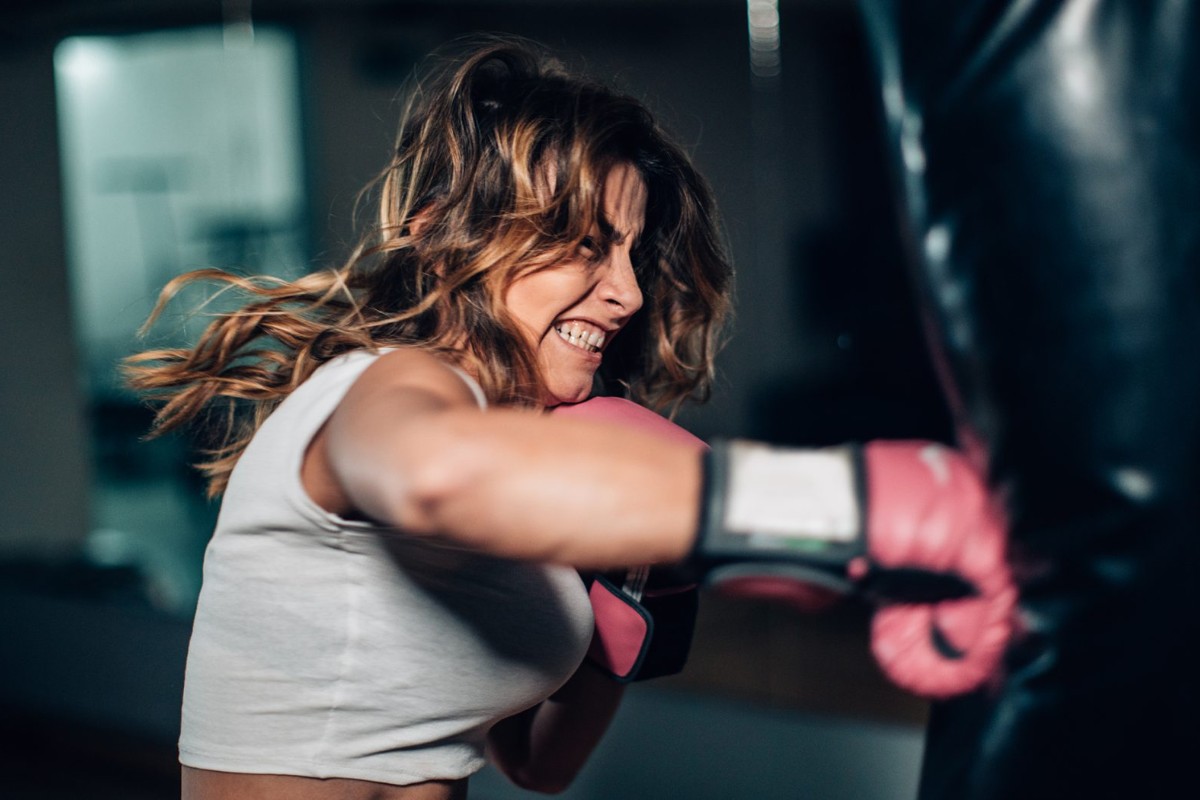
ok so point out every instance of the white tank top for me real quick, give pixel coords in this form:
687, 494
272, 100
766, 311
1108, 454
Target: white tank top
325, 647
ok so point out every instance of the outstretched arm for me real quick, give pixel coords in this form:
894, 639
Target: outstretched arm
909, 523
408, 447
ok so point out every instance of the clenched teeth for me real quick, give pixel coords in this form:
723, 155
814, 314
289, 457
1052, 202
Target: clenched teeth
582, 336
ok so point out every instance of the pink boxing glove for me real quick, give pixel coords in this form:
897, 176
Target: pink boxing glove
909, 525
629, 414
644, 619
938, 519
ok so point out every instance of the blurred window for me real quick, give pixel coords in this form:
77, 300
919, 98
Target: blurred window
180, 150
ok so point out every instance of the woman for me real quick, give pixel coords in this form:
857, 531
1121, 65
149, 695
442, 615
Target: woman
539, 239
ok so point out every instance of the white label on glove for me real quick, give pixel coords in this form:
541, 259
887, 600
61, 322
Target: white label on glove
776, 491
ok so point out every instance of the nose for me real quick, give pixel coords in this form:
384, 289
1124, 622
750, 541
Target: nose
618, 285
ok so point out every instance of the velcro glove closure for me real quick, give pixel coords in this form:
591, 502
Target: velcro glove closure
780, 504
639, 640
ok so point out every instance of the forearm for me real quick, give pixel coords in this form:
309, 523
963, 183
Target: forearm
523, 485
545, 747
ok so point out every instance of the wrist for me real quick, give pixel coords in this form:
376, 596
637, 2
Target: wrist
760, 502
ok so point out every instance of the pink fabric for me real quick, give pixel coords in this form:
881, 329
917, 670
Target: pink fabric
624, 412
927, 508
620, 632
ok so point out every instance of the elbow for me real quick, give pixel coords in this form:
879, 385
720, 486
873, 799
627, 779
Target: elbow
417, 503
422, 476
548, 787
555, 782
433, 486
541, 775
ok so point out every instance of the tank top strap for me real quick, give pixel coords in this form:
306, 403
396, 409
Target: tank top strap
472, 384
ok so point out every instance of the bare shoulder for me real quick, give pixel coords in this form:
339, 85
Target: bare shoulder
412, 371
397, 392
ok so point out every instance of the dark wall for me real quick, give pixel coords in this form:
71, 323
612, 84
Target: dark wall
825, 345
43, 441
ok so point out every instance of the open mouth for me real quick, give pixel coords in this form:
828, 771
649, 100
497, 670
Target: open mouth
585, 336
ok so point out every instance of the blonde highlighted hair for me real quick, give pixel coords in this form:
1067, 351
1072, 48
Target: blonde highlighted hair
499, 169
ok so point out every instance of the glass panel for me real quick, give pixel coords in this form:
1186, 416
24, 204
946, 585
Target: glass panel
180, 150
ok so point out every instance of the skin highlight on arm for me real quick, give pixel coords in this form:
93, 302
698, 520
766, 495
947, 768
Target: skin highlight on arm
408, 447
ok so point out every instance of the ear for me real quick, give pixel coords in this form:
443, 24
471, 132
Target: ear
418, 225
420, 220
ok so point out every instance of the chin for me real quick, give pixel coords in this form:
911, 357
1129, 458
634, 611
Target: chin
567, 396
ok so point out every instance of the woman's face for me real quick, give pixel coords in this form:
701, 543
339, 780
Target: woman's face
571, 311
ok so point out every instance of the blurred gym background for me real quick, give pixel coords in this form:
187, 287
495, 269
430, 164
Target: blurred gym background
142, 138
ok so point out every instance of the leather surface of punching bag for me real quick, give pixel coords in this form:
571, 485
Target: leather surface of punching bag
1049, 159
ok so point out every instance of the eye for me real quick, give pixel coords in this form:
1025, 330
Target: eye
643, 258
589, 249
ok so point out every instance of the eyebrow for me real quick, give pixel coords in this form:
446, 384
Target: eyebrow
618, 237
614, 236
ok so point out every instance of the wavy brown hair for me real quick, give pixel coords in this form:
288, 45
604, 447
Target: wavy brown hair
498, 170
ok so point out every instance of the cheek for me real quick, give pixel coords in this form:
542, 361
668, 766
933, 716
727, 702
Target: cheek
538, 300
521, 304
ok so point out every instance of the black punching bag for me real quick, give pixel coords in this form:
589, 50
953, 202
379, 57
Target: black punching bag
1049, 159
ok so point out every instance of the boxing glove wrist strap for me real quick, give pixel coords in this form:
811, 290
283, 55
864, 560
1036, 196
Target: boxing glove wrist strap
640, 635
764, 503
